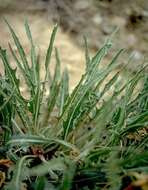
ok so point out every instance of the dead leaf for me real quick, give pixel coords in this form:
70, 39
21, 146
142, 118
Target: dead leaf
6, 162
142, 181
2, 178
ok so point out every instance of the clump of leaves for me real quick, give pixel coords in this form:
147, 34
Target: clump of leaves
86, 139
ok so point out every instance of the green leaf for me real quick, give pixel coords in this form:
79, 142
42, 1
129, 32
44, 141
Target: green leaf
44, 168
21, 52
138, 118
27, 139
35, 70
54, 91
109, 84
68, 175
20, 173
95, 61
50, 47
63, 92
40, 183
9, 72
87, 57
72, 111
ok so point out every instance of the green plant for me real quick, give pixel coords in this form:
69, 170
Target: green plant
71, 141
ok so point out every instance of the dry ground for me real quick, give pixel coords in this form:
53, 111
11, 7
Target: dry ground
95, 18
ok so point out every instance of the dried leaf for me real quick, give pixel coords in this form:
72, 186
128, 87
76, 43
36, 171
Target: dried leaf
6, 162
2, 178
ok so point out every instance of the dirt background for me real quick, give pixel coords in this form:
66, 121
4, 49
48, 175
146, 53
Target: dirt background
96, 19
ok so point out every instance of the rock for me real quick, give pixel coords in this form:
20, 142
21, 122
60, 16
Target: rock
131, 40
97, 19
107, 28
137, 55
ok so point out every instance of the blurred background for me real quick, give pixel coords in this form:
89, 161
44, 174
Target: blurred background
96, 19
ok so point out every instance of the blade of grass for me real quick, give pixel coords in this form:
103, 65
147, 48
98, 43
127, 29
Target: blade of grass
21, 53
48, 58
54, 91
50, 47
33, 55
63, 91
19, 174
68, 175
42, 169
10, 73
33, 139
87, 57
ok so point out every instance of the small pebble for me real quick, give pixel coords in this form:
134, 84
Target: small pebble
131, 40
97, 19
137, 55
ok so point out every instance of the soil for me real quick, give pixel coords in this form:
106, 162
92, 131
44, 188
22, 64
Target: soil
96, 19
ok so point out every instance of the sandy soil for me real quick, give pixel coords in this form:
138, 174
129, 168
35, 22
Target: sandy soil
72, 56
96, 19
